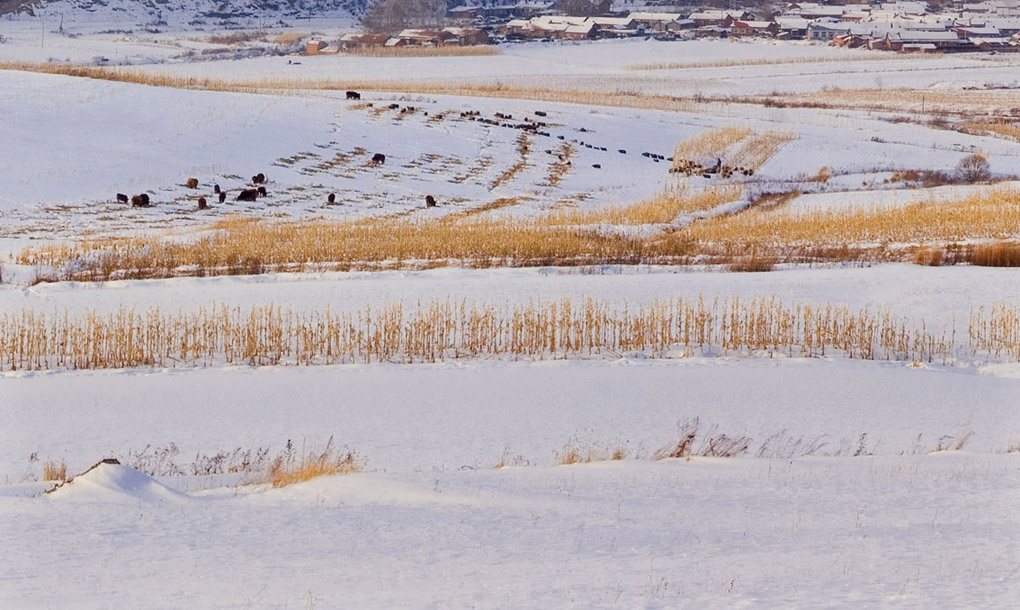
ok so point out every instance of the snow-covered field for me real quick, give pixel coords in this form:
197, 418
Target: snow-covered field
431, 523
125, 138
864, 484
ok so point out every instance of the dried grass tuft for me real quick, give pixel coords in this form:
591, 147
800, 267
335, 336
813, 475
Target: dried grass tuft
290, 468
998, 254
52, 471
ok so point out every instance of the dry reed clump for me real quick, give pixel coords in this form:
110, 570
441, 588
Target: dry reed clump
752, 263
561, 166
578, 452
924, 177
441, 51
708, 145
237, 38
756, 150
523, 149
930, 256
574, 452
767, 61
789, 235
712, 443
998, 254
511, 460
996, 333
446, 330
662, 209
491, 206
254, 247
953, 443
291, 467
998, 102
1007, 129
53, 471
290, 38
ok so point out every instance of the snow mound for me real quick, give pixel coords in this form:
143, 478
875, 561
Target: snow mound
1007, 370
111, 481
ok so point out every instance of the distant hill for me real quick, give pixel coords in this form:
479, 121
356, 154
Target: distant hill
186, 13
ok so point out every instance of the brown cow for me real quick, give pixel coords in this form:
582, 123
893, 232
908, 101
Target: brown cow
202, 204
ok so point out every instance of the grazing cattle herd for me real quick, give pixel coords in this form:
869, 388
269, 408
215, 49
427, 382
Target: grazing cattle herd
247, 194
534, 126
693, 168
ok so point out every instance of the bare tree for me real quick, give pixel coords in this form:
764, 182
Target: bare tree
973, 168
391, 16
583, 8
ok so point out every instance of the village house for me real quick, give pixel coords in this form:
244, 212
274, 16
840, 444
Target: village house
920, 40
792, 28
719, 18
416, 38
827, 30
351, 41
551, 27
754, 28
661, 22
465, 14
468, 36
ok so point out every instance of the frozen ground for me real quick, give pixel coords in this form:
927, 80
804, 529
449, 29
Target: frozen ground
404, 417
83, 141
432, 524
933, 294
608, 66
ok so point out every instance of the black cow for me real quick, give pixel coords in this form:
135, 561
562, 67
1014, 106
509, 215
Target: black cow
202, 204
223, 196
262, 191
430, 201
247, 195
122, 198
379, 158
353, 95
331, 198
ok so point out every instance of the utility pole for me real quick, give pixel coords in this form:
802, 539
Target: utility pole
42, 26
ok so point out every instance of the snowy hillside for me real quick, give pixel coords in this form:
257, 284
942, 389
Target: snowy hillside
182, 14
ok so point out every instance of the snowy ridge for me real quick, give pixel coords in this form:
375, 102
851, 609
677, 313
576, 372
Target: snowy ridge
185, 13
110, 481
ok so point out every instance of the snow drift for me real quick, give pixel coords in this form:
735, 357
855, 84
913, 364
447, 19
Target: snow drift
111, 481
